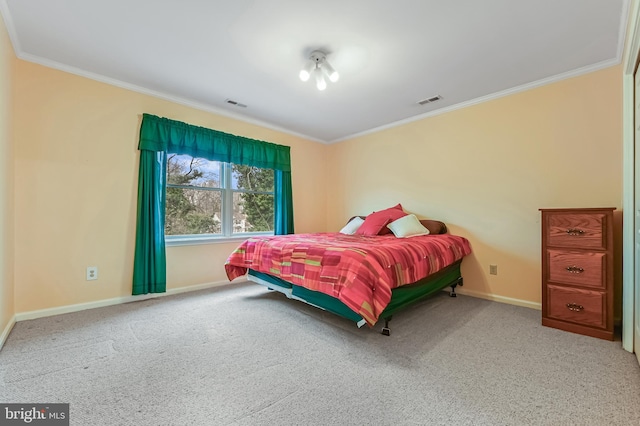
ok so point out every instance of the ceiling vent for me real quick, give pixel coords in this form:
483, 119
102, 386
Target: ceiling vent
234, 103
429, 100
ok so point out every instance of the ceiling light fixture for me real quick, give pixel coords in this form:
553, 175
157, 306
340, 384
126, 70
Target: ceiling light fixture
318, 65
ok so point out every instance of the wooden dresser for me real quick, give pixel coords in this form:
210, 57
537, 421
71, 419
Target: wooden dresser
577, 270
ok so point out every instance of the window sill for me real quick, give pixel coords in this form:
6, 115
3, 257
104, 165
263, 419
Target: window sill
199, 240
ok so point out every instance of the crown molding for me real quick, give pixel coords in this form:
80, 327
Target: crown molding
538, 83
633, 45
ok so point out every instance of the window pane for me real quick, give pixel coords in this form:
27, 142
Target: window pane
252, 178
252, 212
186, 170
193, 211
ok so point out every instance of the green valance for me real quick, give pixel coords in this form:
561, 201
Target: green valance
163, 134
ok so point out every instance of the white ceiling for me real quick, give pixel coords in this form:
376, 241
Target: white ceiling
390, 54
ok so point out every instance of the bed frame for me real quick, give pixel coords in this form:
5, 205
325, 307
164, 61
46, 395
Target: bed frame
401, 297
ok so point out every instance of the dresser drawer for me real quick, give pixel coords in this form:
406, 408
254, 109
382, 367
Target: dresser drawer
584, 307
577, 230
578, 268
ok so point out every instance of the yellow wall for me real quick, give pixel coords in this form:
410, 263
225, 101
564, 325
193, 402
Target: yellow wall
76, 168
6, 182
485, 170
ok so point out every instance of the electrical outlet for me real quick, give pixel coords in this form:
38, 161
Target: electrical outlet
493, 269
92, 273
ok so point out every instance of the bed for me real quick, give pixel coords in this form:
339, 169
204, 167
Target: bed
362, 277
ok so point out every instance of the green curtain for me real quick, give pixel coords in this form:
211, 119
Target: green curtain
161, 135
283, 208
149, 265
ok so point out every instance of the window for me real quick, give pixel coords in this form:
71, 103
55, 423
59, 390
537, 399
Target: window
213, 199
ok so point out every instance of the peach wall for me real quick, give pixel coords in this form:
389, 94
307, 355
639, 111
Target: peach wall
76, 168
6, 182
485, 170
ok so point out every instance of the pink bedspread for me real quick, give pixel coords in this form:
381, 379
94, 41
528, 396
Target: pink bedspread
358, 270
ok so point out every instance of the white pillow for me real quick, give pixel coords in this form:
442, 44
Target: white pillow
407, 226
353, 225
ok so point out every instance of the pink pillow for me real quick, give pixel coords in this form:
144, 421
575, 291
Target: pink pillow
376, 223
373, 225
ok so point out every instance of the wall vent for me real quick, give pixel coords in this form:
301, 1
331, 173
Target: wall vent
235, 103
429, 100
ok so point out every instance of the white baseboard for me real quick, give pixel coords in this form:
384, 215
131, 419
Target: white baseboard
6, 331
617, 320
115, 301
496, 298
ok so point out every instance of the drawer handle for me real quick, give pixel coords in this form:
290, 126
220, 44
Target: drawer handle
575, 307
575, 231
574, 269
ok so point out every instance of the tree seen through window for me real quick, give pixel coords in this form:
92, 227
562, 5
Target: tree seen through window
210, 197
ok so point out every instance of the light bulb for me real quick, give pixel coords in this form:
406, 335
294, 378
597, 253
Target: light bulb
305, 73
331, 73
320, 83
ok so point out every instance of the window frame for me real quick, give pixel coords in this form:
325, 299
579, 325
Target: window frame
226, 221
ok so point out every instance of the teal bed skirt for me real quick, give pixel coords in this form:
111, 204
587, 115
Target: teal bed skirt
401, 297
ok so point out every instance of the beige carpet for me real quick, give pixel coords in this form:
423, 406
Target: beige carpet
242, 355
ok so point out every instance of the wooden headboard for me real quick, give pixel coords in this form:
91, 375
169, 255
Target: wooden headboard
434, 226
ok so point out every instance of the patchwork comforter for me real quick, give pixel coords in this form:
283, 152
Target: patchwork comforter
358, 270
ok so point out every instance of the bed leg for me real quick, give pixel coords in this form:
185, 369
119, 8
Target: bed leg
453, 287
386, 330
